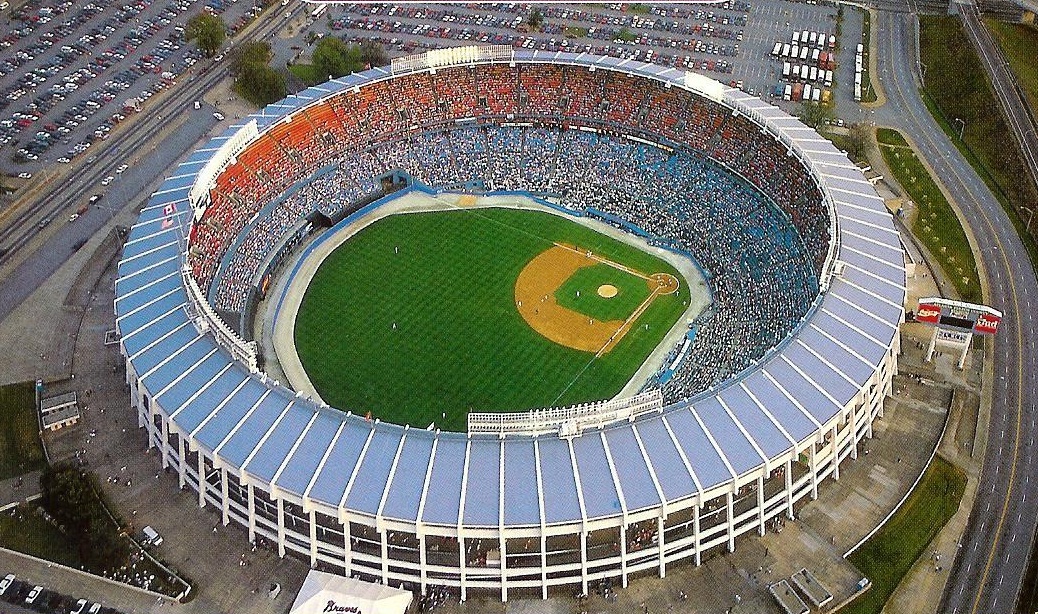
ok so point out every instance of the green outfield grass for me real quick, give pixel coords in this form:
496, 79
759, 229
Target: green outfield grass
631, 292
446, 280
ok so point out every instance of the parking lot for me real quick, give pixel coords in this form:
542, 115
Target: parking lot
20, 595
731, 42
71, 72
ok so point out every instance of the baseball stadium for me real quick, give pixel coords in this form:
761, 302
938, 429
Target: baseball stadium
505, 321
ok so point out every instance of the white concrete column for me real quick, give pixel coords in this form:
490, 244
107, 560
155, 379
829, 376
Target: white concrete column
225, 500
201, 479
252, 513
659, 541
813, 462
836, 454
789, 488
696, 532
164, 432
544, 565
182, 466
313, 539
583, 560
760, 504
854, 414
623, 555
504, 567
462, 560
383, 538
730, 509
281, 527
348, 548
423, 562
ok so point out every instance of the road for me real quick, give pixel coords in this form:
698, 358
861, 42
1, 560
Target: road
992, 557
1014, 107
134, 139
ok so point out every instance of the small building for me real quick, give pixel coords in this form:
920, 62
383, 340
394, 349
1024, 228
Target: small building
60, 411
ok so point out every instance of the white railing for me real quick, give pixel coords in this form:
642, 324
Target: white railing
566, 421
451, 56
206, 320
223, 158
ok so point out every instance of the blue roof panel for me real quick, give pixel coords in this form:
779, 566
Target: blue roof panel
443, 497
341, 463
707, 463
634, 476
405, 491
483, 487
666, 461
373, 473
522, 506
561, 502
296, 475
596, 481
269, 458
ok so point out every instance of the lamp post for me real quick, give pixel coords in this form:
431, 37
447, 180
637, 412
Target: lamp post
962, 127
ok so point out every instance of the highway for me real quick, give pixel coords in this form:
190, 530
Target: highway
132, 139
1014, 107
993, 554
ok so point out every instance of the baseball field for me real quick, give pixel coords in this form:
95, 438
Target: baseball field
423, 317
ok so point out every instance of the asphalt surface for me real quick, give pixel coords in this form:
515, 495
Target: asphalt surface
1014, 107
994, 550
150, 164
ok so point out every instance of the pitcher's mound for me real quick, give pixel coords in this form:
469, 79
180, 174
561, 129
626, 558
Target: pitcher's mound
607, 291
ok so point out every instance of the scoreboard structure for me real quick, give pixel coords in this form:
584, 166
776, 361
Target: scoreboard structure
955, 322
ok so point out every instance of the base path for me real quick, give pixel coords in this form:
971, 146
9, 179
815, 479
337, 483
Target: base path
535, 299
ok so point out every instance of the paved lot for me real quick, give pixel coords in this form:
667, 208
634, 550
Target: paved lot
70, 72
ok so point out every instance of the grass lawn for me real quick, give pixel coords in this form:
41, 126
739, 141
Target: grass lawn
20, 447
308, 74
433, 328
889, 554
23, 529
868, 93
957, 88
1019, 43
936, 224
631, 292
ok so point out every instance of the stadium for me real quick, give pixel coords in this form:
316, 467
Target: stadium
749, 404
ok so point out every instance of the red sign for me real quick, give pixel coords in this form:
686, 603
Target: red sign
928, 313
987, 324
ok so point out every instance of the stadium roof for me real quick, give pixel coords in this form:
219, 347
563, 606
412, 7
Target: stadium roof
264, 432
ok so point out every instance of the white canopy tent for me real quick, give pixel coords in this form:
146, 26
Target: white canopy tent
325, 592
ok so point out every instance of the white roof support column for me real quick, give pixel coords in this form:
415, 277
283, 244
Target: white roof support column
760, 503
281, 527
225, 503
855, 414
313, 539
347, 546
835, 453
696, 531
730, 510
251, 492
182, 467
660, 540
788, 470
813, 462
201, 479
461, 516
383, 538
165, 441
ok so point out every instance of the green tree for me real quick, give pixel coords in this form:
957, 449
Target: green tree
334, 58
260, 84
535, 19
814, 114
71, 497
208, 31
858, 140
373, 54
249, 53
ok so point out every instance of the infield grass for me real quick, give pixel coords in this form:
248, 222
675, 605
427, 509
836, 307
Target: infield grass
631, 292
414, 319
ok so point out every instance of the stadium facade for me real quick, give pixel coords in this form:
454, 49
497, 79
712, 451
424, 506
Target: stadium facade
470, 511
